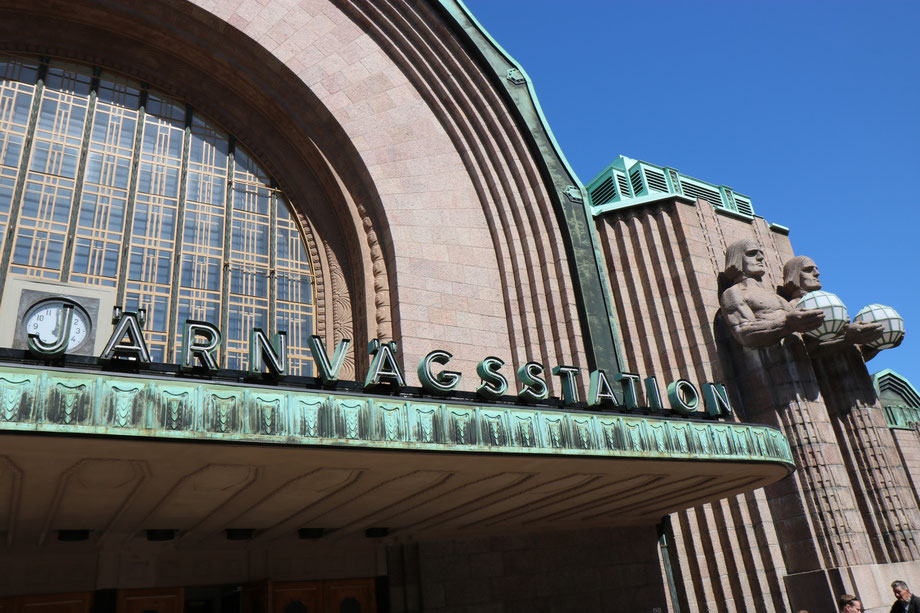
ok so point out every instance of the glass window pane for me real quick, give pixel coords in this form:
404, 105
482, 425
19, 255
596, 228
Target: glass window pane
22, 69
119, 91
69, 78
165, 109
188, 264
100, 222
48, 192
17, 92
294, 291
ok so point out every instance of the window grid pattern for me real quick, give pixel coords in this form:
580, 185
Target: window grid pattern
294, 290
99, 231
250, 260
170, 212
156, 210
44, 217
17, 92
202, 247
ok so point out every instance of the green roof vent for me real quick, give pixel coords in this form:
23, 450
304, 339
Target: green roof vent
627, 182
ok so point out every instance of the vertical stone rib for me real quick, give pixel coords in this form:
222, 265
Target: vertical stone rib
627, 311
778, 388
757, 547
889, 508
662, 253
542, 239
518, 211
342, 323
662, 305
908, 446
658, 357
699, 590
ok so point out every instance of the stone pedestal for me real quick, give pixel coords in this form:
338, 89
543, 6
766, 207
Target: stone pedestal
816, 518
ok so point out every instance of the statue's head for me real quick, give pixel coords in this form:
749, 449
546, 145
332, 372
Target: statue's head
744, 260
800, 276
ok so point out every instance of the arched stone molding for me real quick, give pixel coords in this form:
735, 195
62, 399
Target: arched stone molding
363, 113
525, 232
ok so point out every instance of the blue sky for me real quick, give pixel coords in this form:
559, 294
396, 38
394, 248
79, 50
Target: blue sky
811, 108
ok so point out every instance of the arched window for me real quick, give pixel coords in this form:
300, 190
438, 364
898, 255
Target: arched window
107, 182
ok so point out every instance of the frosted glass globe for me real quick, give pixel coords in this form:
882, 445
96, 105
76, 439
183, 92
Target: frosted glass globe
835, 314
890, 320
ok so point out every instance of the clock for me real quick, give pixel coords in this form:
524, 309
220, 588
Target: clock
44, 319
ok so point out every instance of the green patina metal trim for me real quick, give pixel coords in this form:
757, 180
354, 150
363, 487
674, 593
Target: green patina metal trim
626, 182
637, 202
779, 229
602, 342
106, 404
887, 379
904, 415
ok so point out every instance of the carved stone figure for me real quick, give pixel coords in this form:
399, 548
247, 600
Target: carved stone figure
800, 276
757, 316
816, 518
884, 497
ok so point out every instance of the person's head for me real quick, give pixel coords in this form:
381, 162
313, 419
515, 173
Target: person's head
800, 276
901, 591
848, 603
744, 259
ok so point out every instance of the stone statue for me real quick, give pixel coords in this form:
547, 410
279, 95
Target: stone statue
800, 276
757, 316
889, 509
814, 511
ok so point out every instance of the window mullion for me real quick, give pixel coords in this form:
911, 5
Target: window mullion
24, 160
132, 195
78, 184
228, 239
177, 249
272, 263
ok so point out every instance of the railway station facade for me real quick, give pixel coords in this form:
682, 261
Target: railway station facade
302, 309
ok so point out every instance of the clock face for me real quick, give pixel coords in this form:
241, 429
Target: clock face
45, 319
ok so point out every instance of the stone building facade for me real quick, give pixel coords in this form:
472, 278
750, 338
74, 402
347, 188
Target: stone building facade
817, 533
376, 181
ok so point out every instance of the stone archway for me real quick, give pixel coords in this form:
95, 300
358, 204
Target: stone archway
190, 53
435, 223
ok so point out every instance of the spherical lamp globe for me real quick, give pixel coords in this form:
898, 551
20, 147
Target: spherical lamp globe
892, 323
835, 314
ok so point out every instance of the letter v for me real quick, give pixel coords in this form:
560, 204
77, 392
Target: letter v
328, 372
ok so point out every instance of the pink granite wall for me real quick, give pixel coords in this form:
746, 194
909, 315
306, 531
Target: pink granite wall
908, 444
433, 223
477, 265
771, 547
663, 261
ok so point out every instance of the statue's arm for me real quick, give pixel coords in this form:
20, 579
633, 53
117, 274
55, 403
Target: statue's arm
766, 327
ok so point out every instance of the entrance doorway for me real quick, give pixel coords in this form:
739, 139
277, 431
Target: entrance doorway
337, 596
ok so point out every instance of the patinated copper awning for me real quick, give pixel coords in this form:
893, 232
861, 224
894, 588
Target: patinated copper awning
119, 454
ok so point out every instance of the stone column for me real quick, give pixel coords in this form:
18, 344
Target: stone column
881, 487
815, 514
814, 509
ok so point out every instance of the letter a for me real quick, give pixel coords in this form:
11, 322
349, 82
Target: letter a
127, 323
